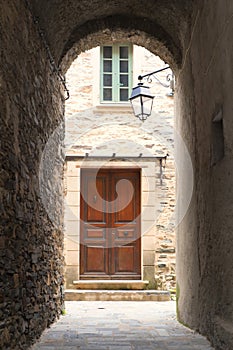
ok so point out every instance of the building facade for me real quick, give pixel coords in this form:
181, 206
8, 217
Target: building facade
125, 232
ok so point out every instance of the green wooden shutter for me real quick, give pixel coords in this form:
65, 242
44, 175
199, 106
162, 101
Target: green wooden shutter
116, 72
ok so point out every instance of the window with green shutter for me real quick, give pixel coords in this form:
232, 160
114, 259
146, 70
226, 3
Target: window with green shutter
116, 72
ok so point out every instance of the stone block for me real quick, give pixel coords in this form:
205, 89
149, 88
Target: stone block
148, 213
149, 274
73, 183
71, 213
72, 258
148, 184
149, 257
71, 274
148, 169
148, 243
72, 198
72, 228
105, 295
148, 226
72, 169
149, 198
72, 243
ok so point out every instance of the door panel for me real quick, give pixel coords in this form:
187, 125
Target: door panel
126, 234
110, 224
125, 259
124, 187
95, 212
95, 259
95, 233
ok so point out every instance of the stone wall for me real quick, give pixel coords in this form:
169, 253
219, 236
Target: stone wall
204, 239
95, 128
31, 237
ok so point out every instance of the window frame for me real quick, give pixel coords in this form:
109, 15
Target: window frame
116, 72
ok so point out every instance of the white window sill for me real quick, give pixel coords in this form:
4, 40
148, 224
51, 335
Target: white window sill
114, 107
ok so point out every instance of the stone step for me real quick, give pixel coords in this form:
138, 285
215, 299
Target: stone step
116, 295
111, 284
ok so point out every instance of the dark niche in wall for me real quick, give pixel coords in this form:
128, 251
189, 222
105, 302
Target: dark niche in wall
217, 137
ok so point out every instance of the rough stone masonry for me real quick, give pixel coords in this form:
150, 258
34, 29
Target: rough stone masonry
31, 236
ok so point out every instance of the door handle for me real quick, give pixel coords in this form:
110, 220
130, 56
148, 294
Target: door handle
126, 233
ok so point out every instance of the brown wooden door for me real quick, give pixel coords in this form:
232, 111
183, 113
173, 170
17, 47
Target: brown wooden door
110, 243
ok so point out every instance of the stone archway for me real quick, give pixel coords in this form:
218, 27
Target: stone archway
194, 38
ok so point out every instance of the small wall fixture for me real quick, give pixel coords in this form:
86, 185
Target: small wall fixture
142, 101
141, 98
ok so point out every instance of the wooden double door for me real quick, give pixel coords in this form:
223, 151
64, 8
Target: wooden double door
110, 240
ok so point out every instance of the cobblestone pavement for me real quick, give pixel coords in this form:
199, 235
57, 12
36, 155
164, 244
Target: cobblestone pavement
120, 326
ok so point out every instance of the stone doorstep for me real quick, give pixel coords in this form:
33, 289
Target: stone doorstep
116, 295
111, 284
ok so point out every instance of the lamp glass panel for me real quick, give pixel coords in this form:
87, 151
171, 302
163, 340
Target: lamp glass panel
137, 106
147, 105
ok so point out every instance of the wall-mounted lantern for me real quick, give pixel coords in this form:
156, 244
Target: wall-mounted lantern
141, 98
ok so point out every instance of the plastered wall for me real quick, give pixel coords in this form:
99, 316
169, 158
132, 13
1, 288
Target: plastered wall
204, 238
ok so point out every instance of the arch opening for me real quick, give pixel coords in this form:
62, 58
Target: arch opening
96, 130
117, 29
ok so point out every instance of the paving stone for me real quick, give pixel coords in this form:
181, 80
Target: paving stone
119, 325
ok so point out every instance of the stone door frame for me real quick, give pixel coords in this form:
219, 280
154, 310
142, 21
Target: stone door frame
149, 212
